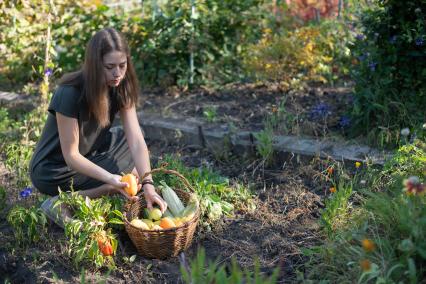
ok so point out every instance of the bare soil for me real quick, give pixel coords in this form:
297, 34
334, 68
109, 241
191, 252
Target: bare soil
314, 112
288, 195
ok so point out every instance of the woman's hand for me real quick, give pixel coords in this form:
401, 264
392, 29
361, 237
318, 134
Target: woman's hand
118, 187
151, 197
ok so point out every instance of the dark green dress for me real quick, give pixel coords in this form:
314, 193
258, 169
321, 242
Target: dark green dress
106, 147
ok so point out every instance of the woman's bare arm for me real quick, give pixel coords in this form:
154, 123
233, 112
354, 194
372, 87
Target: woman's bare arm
140, 153
69, 139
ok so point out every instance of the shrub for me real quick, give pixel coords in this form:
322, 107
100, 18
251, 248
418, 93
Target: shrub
311, 53
161, 46
390, 91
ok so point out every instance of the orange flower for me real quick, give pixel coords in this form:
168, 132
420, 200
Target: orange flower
365, 264
368, 245
330, 170
332, 189
413, 186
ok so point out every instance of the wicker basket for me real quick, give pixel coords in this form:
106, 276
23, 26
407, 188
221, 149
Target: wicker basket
167, 242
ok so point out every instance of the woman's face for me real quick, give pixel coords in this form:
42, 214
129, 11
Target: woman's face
115, 66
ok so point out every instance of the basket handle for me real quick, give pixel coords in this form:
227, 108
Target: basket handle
173, 172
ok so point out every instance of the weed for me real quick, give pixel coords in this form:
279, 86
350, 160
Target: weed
265, 144
2, 198
210, 114
337, 206
198, 272
28, 224
383, 239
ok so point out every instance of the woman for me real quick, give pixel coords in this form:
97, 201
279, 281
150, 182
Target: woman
78, 148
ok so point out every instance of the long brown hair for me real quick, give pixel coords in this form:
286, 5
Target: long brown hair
91, 76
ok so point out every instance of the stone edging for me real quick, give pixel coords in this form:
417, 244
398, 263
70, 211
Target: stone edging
193, 132
218, 138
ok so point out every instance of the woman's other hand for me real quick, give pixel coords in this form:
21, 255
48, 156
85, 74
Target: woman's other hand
151, 197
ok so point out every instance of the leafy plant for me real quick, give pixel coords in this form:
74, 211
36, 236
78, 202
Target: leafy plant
199, 272
390, 90
295, 57
264, 144
210, 114
2, 198
91, 226
216, 194
383, 239
280, 119
28, 224
337, 206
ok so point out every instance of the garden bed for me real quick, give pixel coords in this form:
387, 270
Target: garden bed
314, 112
287, 199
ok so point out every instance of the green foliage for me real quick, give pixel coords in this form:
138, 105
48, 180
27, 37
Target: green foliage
199, 272
280, 119
72, 30
217, 196
210, 114
336, 207
19, 139
391, 218
91, 219
390, 91
19, 52
295, 57
264, 144
18, 157
2, 198
216, 33
4, 122
28, 224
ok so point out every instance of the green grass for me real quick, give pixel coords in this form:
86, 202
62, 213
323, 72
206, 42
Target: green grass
387, 216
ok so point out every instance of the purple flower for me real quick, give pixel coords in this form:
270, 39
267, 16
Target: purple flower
419, 41
344, 121
392, 39
372, 66
48, 72
359, 36
26, 192
321, 110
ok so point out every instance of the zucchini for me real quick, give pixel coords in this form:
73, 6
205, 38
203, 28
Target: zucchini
173, 202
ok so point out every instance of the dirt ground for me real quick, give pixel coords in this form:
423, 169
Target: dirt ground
289, 196
314, 112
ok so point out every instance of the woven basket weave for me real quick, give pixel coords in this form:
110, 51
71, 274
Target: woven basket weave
165, 243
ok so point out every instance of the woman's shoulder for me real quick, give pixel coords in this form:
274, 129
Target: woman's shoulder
69, 91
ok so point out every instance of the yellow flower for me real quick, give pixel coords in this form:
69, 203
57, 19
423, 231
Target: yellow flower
357, 164
268, 66
332, 189
365, 264
368, 245
267, 31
